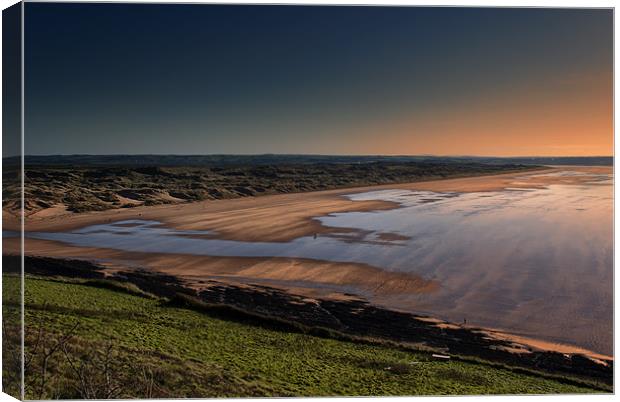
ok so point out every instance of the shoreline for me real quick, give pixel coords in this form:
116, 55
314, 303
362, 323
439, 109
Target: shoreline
314, 278
254, 214
293, 276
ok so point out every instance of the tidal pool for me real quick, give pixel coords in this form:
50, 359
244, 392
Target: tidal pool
537, 262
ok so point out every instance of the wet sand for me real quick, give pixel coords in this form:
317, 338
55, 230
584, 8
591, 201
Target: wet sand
311, 277
273, 218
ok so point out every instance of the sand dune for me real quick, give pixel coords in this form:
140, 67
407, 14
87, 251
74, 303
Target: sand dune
279, 217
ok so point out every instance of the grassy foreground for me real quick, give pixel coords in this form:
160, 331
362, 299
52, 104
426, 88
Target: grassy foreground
88, 342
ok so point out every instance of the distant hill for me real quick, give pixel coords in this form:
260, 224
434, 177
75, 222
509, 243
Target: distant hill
272, 159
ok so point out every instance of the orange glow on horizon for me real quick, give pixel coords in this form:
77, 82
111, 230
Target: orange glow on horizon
571, 117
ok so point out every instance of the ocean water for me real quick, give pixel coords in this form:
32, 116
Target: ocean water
532, 261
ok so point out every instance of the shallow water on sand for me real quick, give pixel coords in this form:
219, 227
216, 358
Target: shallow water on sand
534, 261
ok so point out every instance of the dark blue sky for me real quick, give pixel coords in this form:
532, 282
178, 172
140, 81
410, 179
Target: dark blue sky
200, 79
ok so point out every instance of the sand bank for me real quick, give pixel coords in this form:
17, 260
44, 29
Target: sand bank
282, 217
312, 277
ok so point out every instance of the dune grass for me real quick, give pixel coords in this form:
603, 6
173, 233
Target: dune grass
158, 350
83, 188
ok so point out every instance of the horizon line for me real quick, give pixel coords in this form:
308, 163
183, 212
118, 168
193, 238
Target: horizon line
316, 154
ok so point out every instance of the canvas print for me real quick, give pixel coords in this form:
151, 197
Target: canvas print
235, 200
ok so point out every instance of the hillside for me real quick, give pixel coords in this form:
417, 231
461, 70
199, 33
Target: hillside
119, 342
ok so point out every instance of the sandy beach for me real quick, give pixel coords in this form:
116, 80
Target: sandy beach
277, 218
280, 217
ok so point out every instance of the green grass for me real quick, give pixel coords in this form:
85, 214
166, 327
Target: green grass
193, 354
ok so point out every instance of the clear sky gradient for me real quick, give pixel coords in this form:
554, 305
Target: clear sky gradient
205, 79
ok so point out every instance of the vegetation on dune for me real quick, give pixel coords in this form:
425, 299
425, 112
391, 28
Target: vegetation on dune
91, 188
93, 341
